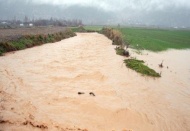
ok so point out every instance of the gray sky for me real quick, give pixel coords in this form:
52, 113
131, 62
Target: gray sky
126, 12
121, 4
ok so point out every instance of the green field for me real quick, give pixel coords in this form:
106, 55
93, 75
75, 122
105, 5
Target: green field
149, 39
93, 28
156, 39
86, 29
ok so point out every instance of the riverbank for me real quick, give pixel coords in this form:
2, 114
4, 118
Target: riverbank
22, 38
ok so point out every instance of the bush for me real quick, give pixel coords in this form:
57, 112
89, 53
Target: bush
7, 46
114, 35
1, 51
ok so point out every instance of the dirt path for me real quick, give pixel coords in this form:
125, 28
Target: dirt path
39, 89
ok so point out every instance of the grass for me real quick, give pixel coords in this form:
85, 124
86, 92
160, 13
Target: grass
139, 67
93, 28
28, 41
86, 29
119, 51
78, 29
156, 39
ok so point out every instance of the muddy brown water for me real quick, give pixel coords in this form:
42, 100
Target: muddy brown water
39, 88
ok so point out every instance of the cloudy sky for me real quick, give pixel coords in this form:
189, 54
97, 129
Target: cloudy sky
120, 4
147, 12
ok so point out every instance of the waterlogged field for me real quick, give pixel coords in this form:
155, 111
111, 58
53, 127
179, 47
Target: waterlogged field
156, 39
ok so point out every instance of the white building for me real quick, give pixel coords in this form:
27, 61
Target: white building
30, 24
21, 25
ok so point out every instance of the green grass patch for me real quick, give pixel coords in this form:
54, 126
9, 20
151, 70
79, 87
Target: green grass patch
156, 39
22, 43
119, 51
138, 66
85, 29
78, 29
93, 28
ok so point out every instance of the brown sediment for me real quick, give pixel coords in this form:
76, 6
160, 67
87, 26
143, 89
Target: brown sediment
39, 88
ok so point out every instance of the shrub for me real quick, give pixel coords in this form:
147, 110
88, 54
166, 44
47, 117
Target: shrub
1, 50
40, 38
7, 46
114, 35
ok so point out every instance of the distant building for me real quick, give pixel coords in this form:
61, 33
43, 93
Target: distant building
21, 25
30, 25
4, 23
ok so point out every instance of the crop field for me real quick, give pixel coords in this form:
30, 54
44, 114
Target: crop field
156, 39
12, 34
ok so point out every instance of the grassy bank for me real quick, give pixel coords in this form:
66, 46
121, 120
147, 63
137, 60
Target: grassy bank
139, 67
156, 39
134, 64
27, 41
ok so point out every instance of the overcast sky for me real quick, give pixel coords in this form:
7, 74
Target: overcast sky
145, 12
120, 4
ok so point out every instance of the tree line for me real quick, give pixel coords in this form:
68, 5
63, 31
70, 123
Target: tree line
42, 22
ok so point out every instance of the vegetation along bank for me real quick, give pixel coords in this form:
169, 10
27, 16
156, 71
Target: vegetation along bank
21, 38
121, 49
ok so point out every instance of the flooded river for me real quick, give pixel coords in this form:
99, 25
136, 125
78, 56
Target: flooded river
39, 88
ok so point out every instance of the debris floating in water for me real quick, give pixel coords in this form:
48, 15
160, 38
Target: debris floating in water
92, 94
81, 93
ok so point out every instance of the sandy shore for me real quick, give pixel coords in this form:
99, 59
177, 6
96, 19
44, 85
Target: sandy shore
39, 89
